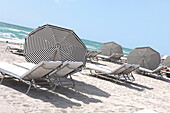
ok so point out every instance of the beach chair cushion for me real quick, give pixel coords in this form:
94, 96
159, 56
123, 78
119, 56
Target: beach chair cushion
15, 47
103, 56
37, 71
66, 68
121, 69
107, 70
93, 53
159, 69
115, 56
132, 68
13, 70
99, 68
152, 71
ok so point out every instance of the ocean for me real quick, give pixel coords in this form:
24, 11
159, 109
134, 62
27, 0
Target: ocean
17, 34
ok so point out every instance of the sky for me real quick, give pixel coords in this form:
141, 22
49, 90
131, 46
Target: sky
130, 23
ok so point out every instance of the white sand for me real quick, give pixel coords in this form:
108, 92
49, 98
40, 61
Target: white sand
91, 94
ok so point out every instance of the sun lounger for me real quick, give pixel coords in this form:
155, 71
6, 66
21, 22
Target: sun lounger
122, 70
113, 58
16, 49
166, 72
123, 59
60, 75
128, 72
28, 75
157, 71
17, 52
92, 54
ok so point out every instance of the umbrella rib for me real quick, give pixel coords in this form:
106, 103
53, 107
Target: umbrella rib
52, 32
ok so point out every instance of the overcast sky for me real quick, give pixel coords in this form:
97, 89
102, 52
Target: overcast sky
130, 23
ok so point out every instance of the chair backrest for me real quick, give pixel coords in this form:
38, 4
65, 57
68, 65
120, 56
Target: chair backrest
119, 55
120, 69
132, 68
113, 55
89, 52
26, 65
95, 53
41, 69
159, 69
67, 68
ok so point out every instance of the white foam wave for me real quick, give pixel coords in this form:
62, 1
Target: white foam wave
91, 47
22, 34
7, 35
125, 52
16, 30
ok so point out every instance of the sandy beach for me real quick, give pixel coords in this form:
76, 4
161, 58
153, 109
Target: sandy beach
90, 95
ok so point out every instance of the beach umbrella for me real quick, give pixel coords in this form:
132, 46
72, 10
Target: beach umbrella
164, 57
110, 48
49, 42
166, 62
144, 56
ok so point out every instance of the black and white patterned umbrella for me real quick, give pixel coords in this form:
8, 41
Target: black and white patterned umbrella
109, 48
50, 42
145, 57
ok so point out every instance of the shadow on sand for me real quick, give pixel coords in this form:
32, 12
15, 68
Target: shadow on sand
55, 98
156, 77
131, 85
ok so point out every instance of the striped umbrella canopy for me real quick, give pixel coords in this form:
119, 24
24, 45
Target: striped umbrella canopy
50, 42
144, 56
109, 48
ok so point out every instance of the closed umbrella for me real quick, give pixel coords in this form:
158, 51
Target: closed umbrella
144, 56
50, 42
110, 48
166, 62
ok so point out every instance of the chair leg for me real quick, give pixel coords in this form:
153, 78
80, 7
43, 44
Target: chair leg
133, 78
2, 78
124, 77
72, 81
91, 72
30, 84
35, 85
7, 48
50, 82
60, 81
117, 78
54, 87
97, 59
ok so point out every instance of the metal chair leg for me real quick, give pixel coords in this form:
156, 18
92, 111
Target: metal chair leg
72, 81
133, 78
124, 77
2, 78
35, 85
30, 84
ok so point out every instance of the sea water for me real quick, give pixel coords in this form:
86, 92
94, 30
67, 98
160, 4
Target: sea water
17, 34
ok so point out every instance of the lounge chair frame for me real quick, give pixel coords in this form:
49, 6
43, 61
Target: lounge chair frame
92, 55
126, 74
157, 71
57, 79
31, 82
115, 57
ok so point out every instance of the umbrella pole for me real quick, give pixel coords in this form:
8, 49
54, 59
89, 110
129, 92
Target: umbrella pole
143, 62
54, 55
57, 47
